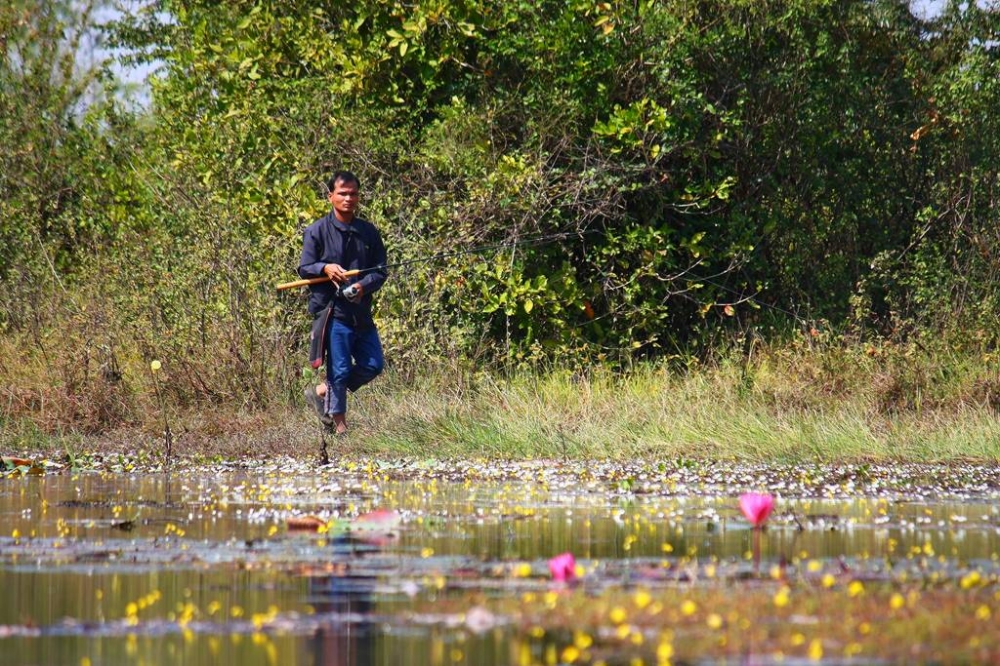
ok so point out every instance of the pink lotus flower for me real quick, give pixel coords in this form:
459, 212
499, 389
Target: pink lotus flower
563, 568
378, 527
756, 507
379, 519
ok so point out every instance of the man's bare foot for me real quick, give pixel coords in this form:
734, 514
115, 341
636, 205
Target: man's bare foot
340, 424
317, 402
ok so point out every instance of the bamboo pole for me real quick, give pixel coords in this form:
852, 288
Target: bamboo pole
309, 281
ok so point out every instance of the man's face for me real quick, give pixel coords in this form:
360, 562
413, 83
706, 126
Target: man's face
344, 198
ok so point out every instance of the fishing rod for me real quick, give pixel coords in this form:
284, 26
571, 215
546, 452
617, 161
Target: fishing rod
541, 239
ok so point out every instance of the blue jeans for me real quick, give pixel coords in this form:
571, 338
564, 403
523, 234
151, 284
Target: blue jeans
353, 359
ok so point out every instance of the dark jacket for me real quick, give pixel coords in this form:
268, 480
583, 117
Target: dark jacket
357, 245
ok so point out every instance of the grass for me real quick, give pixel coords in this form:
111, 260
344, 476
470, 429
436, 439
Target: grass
706, 413
798, 402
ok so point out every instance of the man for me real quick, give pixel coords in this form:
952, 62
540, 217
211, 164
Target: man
334, 246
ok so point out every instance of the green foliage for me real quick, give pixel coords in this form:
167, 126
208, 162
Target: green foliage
49, 145
699, 171
945, 279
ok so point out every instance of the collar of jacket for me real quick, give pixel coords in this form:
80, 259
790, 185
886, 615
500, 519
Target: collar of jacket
346, 228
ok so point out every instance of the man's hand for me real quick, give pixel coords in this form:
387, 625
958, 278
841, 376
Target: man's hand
335, 272
354, 292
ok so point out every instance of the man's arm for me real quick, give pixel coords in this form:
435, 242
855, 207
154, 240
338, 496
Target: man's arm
373, 280
310, 265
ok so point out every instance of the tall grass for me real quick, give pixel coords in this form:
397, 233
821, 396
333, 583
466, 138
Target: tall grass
800, 401
786, 405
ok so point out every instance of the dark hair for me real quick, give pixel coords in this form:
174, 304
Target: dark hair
344, 177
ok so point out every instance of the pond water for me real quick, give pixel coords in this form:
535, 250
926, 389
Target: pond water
433, 564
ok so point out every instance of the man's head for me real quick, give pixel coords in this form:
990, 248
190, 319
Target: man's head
342, 176
343, 188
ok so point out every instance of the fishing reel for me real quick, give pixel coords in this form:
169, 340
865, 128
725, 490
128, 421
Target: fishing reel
351, 291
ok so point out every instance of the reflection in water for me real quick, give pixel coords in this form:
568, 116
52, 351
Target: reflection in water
345, 636
209, 572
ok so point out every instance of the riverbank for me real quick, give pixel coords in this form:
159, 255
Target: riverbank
791, 404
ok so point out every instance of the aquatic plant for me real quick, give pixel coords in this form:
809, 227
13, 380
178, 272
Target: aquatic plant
756, 507
563, 568
168, 438
408, 550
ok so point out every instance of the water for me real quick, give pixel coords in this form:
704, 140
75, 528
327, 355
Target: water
200, 566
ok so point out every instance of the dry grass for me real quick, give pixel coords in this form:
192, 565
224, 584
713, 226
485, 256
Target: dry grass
795, 402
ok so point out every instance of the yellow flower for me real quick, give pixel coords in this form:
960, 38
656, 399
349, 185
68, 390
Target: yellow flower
781, 597
897, 601
971, 579
856, 588
155, 366
689, 607
570, 654
815, 650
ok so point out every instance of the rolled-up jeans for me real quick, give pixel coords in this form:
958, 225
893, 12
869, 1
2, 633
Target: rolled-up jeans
354, 358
